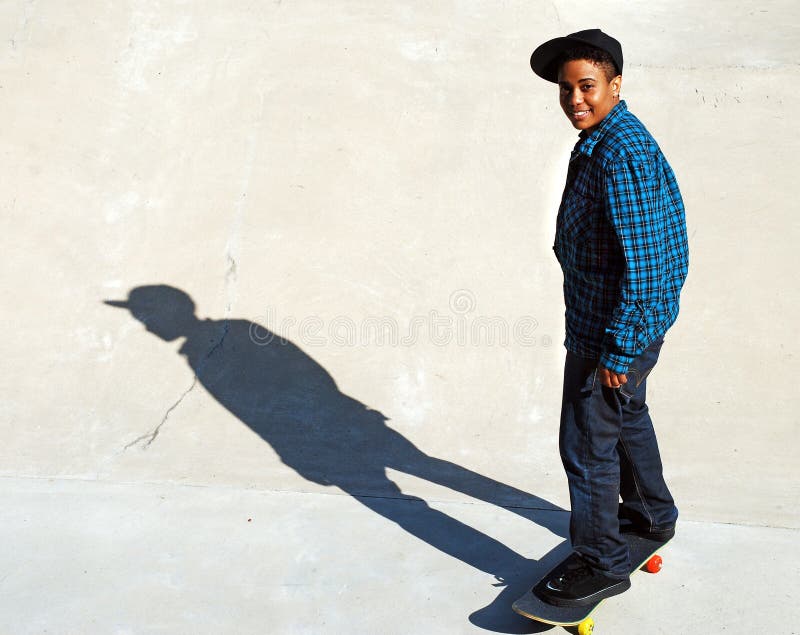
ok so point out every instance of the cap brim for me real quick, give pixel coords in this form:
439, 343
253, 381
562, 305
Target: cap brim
544, 60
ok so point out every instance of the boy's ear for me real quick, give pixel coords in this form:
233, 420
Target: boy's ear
616, 85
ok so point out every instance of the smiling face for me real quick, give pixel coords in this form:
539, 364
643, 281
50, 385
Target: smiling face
586, 94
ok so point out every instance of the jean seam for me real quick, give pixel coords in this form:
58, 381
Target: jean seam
587, 470
636, 482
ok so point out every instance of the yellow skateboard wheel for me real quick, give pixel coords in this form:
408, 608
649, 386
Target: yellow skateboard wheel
586, 627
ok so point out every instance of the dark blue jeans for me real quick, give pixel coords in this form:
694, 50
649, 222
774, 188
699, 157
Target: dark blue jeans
609, 451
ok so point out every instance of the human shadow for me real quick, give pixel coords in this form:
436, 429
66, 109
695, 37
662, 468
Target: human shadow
329, 438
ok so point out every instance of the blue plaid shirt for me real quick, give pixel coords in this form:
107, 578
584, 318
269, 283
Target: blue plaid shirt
621, 242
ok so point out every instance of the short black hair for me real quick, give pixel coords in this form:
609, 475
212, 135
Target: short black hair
596, 56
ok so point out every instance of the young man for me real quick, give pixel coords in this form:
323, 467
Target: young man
621, 242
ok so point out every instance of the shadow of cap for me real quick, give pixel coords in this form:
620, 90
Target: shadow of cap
155, 298
122, 304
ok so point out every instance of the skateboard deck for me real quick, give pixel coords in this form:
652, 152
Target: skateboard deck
642, 555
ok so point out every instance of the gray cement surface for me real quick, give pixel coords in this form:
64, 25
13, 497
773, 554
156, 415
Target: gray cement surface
356, 201
100, 557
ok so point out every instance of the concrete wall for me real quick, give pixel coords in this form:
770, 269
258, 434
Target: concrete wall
317, 168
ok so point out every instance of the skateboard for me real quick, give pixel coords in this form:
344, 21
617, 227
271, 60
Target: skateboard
642, 556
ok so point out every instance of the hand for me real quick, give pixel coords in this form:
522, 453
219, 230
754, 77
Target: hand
610, 379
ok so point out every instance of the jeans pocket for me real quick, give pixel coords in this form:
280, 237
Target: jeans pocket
636, 376
625, 394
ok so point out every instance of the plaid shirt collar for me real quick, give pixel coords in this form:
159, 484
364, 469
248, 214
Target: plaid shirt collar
588, 141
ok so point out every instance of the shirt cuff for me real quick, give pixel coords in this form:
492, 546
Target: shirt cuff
615, 362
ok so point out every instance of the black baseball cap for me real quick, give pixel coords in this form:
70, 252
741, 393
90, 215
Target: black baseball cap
544, 60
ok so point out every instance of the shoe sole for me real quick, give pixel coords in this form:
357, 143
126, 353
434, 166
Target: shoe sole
615, 589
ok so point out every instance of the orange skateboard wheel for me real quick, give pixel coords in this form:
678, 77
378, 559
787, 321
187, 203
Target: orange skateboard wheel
654, 564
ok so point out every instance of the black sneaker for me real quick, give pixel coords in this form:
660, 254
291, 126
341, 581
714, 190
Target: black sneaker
631, 522
576, 583
657, 535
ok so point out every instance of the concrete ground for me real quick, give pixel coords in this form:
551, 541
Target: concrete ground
95, 557
283, 323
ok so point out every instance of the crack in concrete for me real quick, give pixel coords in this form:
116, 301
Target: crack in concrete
22, 29
230, 283
151, 436
226, 327
232, 249
230, 274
